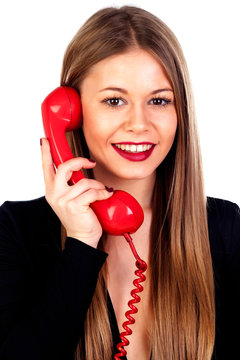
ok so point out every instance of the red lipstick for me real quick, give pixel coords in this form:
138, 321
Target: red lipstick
140, 156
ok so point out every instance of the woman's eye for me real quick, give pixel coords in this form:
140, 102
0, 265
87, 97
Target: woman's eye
114, 101
160, 101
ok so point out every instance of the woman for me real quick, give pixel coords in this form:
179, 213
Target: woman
60, 297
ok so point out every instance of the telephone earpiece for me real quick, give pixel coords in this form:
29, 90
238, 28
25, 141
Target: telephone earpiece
61, 112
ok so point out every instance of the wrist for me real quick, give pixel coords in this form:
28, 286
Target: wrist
91, 242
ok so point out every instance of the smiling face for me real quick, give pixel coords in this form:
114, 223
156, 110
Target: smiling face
129, 115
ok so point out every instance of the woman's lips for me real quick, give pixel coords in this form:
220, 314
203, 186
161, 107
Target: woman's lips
134, 156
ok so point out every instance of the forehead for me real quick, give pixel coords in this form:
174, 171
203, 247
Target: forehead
136, 67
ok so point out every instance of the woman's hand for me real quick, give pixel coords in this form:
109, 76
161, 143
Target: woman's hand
71, 203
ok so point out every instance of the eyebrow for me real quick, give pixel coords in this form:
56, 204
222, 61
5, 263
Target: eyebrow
124, 91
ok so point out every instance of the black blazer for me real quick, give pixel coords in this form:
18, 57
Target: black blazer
45, 292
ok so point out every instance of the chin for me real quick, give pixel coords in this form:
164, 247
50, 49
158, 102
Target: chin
135, 175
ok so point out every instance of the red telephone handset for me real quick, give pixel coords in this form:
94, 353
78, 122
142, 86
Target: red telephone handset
121, 214
61, 112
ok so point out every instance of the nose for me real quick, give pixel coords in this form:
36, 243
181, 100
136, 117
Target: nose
137, 120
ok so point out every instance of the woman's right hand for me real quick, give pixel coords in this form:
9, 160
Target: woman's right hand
71, 203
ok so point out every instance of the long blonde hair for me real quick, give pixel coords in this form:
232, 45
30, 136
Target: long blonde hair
181, 279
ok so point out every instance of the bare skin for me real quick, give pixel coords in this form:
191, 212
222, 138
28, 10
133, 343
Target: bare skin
125, 98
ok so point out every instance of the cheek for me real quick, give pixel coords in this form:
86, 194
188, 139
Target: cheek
95, 130
168, 127
88, 128
97, 125
173, 127
89, 121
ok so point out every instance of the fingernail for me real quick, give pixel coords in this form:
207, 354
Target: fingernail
41, 141
91, 160
109, 189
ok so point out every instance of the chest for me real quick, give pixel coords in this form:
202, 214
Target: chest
120, 276
139, 340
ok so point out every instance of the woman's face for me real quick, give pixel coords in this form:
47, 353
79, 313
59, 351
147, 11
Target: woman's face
129, 115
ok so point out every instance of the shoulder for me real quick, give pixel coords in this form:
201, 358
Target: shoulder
21, 220
220, 208
224, 236
223, 215
24, 205
28, 210
224, 226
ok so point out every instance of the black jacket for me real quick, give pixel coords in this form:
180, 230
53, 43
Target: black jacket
45, 292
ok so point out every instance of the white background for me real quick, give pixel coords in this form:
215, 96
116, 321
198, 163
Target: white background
34, 36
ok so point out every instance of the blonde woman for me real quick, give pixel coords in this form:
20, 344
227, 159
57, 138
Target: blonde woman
65, 283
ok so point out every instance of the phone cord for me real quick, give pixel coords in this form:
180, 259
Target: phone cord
142, 266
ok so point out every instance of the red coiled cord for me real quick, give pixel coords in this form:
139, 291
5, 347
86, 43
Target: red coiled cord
142, 266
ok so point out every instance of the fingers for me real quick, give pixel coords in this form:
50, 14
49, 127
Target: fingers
56, 182
82, 186
72, 203
85, 192
47, 163
64, 171
92, 195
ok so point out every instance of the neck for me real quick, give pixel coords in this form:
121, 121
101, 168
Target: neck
140, 189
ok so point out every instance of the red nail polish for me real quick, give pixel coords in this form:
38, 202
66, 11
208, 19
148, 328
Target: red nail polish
41, 141
109, 189
91, 160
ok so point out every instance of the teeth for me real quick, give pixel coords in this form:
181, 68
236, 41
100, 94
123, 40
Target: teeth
133, 148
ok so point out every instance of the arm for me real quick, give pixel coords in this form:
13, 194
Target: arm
51, 326
231, 235
227, 254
